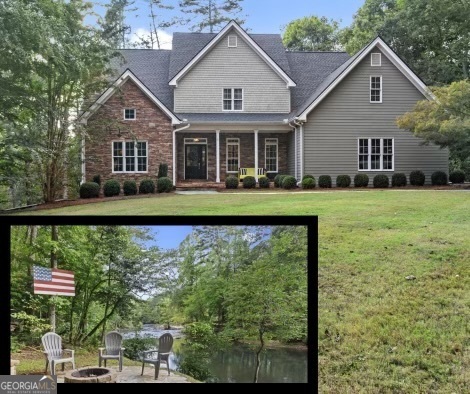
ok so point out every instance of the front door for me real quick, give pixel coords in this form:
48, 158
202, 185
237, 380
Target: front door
196, 161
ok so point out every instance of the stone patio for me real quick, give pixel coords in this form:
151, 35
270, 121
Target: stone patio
132, 375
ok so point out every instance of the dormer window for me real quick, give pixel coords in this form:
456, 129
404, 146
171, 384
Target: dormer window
375, 59
232, 41
129, 114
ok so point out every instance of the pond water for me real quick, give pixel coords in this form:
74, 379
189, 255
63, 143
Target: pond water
237, 363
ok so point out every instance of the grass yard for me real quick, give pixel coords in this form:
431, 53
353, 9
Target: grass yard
378, 332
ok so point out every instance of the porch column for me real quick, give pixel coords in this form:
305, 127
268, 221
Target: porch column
256, 155
217, 155
174, 157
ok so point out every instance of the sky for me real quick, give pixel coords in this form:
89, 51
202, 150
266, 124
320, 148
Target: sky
169, 237
263, 16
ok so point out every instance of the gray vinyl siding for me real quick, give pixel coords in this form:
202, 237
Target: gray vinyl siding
291, 153
333, 128
201, 89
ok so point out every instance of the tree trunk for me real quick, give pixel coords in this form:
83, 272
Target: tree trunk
258, 355
55, 237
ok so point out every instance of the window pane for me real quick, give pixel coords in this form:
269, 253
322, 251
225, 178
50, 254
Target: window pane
232, 157
118, 163
227, 94
227, 105
117, 149
238, 105
271, 157
141, 164
129, 113
363, 162
130, 164
141, 149
238, 94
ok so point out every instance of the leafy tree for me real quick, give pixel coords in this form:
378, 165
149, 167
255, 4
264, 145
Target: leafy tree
115, 30
445, 121
312, 34
211, 14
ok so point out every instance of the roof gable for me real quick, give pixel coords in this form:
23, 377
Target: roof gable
108, 93
249, 40
341, 72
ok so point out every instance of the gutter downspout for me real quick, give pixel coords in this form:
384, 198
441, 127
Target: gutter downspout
174, 150
297, 123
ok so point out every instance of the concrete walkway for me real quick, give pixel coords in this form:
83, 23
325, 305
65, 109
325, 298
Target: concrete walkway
132, 375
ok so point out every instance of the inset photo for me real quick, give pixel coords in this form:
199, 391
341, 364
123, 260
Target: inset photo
163, 303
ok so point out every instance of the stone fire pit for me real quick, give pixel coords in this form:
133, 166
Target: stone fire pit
91, 375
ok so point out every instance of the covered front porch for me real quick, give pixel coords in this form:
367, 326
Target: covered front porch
205, 158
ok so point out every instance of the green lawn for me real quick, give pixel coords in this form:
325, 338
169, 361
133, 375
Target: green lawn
378, 332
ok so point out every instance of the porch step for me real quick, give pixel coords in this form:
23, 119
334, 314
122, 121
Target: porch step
201, 186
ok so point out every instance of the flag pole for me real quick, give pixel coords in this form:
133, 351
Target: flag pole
54, 237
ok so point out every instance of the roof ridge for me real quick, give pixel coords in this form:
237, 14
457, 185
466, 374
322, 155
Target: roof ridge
288, 51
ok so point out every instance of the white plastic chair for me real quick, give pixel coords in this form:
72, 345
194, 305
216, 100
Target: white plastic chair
52, 344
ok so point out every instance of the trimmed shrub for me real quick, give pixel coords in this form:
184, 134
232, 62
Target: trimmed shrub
308, 183
162, 170
457, 176
308, 176
417, 178
231, 182
111, 188
361, 180
381, 181
97, 179
278, 180
89, 190
289, 182
263, 183
398, 180
249, 182
343, 181
324, 181
439, 178
130, 188
164, 185
147, 186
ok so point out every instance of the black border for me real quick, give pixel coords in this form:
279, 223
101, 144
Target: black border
310, 221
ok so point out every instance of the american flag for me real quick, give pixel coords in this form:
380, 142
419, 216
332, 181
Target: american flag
53, 281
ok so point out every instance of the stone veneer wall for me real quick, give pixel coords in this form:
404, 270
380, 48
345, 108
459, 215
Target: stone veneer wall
151, 125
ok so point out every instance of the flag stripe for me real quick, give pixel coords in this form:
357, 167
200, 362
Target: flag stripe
58, 281
49, 286
44, 288
60, 275
54, 293
63, 271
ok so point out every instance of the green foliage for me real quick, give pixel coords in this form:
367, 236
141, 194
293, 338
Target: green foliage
308, 183
439, 178
163, 170
398, 180
249, 182
417, 178
130, 188
381, 181
263, 182
445, 121
308, 176
311, 34
457, 176
31, 327
135, 346
343, 181
288, 182
361, 180
89, 190
97, 179
111, 188
277, 180
147, 186
324, 181
164, 185
231, 182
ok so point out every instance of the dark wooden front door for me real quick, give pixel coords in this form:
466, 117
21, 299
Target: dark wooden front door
196, 161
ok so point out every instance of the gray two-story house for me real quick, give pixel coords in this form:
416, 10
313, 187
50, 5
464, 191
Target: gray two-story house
216, 103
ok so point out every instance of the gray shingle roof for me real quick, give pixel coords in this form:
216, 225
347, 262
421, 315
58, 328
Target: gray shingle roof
309, 70
233, 117
313, 72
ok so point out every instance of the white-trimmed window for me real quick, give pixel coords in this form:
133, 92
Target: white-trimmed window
233, 99
130, 156
376, 154
129, 114
270, 154
375, 59
376, 89
233, 154
232, 41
